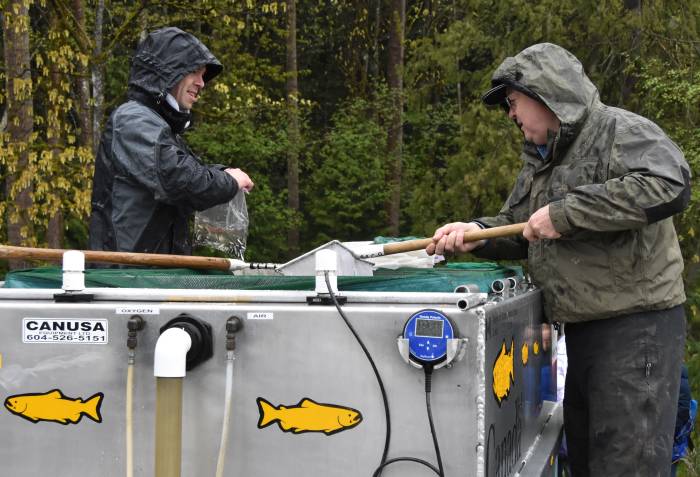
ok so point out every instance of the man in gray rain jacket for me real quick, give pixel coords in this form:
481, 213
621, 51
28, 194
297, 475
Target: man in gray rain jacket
147, 182
598, 188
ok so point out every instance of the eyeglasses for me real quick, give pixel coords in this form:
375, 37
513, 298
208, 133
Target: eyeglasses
508, 104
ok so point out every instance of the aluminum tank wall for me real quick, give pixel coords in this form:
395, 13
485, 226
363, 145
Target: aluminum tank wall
286, 353
520, 379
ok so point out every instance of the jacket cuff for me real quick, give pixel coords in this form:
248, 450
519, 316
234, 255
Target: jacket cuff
557, 215
483, 226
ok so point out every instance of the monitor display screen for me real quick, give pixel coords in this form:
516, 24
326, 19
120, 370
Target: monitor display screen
429, 328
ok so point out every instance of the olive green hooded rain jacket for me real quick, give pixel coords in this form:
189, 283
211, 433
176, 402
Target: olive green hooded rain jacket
612, 180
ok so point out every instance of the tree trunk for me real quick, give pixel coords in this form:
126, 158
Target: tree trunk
395, 134
83, 86
630, 79
98, 78
459, 81
20, 121
293, 134
374, 64
54, 231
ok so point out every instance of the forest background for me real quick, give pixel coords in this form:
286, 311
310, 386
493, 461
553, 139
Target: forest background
355, 118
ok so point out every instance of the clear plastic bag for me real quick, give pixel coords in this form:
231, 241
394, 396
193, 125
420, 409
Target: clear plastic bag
224, 227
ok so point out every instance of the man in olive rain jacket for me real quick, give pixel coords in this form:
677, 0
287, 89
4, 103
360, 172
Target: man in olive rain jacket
598, 188
147, 182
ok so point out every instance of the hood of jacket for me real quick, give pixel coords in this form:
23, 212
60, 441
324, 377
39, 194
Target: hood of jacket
554, 76
165, 57
161, 61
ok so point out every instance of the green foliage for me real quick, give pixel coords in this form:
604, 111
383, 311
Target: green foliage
671, 98
52, 167
345, 191
431, 140
457, 166
690, 465
252, 139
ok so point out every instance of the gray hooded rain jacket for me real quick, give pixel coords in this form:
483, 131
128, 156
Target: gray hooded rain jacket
147, 182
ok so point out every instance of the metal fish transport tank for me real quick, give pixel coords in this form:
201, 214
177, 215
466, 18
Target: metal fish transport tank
177, 373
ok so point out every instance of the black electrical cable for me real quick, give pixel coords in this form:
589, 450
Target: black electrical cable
406, 459
428, 370
374, 368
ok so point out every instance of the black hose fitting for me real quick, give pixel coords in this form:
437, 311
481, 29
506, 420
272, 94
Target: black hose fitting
233, 325
134, 325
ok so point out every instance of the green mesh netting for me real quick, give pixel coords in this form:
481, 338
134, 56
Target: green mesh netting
442, 279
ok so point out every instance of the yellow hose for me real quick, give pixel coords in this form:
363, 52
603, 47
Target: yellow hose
168, 427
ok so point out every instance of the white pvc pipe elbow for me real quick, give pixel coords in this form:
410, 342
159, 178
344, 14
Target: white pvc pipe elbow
171, 353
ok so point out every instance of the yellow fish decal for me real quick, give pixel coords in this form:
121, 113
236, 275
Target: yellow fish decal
524, 354
308, 416
53, 406
536, 347
503, 372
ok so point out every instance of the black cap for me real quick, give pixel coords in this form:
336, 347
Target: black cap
212, 70
496, 95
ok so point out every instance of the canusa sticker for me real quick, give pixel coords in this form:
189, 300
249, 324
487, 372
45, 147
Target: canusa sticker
65, 331
503, 376
53, 406
308, 416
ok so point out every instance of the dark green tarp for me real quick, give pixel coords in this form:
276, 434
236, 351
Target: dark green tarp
441, 279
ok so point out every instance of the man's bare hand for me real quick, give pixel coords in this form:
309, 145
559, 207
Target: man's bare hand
450, 239
241, 178
540, 226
